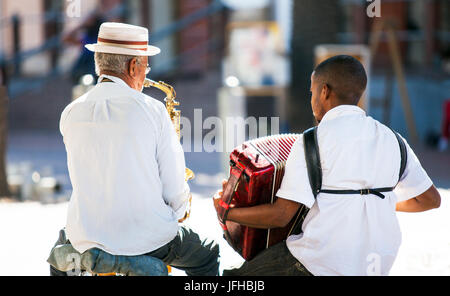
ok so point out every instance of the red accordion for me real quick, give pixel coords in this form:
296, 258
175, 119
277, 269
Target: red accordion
257, 169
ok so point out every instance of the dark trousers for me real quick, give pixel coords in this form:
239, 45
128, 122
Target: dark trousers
274, 261
190, 253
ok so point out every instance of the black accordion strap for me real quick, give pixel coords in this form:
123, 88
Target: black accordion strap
313, 165
312, 158
228, 194
224, 203
375, 191
403, 154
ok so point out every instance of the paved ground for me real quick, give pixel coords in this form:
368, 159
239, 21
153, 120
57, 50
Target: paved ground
29, 229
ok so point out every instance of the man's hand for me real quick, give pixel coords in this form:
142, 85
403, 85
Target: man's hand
219, 194
263, 216
188, 210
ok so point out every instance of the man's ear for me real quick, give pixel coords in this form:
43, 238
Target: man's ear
326, 91
132, 67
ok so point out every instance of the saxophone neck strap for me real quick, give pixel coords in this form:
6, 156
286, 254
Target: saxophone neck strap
110, 78
106, 80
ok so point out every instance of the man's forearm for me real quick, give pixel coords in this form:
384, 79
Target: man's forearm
410, 206
261, 216
413, 205
428, 200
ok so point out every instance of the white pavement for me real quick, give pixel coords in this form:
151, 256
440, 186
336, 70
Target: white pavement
28, 231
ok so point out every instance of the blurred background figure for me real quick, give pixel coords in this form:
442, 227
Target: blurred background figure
84, 34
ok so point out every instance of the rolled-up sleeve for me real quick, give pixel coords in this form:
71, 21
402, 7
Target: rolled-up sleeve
295, 185
171, 162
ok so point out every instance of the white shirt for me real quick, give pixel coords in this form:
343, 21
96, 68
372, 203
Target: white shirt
351, 234
126, 166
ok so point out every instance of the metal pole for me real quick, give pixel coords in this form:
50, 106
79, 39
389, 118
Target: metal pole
401, 81
4, 189
17, 44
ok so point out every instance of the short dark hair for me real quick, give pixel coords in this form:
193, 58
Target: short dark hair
346, 77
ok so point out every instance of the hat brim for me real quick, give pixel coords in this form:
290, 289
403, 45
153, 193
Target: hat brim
151, 50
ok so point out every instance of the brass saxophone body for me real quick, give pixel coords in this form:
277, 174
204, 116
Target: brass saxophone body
175, 117
170, 100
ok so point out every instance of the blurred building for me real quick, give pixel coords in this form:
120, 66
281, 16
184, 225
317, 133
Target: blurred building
193, 37
422, 28
26, 26
30, 25
41, 46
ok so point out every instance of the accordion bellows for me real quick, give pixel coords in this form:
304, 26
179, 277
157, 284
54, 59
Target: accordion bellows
256, 173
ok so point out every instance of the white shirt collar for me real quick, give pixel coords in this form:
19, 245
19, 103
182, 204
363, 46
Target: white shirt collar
113, 79
342, 110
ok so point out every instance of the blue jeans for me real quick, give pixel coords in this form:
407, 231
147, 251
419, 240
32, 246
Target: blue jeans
187, 251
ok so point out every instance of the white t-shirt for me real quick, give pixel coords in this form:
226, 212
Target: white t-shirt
126, 166
351, 234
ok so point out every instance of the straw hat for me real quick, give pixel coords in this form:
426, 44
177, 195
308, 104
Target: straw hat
118, 38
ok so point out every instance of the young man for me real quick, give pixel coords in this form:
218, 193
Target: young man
126, 163
343, 234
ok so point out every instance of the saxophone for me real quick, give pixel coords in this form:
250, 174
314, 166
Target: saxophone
175, 117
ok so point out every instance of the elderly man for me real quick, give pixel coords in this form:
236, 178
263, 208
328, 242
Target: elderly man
345, 232
126, 164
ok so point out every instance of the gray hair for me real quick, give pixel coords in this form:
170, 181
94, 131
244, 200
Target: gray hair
116, 63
